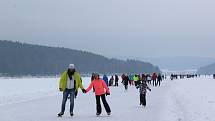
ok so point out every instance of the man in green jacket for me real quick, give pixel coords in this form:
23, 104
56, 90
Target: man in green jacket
136, 79
70, 81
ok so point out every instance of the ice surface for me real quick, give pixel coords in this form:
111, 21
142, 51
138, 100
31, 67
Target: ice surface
38, 99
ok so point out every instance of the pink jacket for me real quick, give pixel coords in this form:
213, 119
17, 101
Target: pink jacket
99, 86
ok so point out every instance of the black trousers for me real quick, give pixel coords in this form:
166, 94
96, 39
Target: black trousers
154, 82
143, 99
116, 84
135, 83
158, 82
98, 104
126, 87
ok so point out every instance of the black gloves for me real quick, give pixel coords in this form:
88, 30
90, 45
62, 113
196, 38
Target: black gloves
60, 89
107, 94
84, 91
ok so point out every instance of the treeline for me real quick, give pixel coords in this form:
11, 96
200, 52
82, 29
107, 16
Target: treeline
209, 69
18, 59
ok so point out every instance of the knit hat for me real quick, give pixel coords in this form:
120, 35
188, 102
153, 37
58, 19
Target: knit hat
71, 66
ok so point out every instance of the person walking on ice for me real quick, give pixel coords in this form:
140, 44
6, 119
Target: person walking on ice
70, 81
105, 78
143, 90
101, 90
116, 80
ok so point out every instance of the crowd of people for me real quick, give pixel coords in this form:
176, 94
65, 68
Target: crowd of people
140, 81
152, 79
182, 76
71, 81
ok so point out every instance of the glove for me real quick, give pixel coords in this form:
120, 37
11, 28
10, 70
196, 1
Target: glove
107, 94
61, 89
84, 91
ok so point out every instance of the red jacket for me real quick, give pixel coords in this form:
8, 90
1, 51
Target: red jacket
99, 86
154, 76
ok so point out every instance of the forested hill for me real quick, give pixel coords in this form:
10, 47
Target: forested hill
18, 59
209, 69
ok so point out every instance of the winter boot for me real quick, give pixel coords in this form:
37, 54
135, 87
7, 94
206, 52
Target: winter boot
98, 114
60, 114
109, 113
71, 114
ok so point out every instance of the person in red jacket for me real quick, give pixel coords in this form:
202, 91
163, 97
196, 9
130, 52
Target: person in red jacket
101, 90
154, 79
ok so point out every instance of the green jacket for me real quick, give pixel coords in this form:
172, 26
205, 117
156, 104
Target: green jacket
63, 81
135, 78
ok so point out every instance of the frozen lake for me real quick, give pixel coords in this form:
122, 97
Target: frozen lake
38, 99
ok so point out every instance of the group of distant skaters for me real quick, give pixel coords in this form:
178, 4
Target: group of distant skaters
136, 79
183, 76
132, 79
140, 81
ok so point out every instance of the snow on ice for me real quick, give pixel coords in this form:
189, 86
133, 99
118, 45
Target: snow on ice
38, 99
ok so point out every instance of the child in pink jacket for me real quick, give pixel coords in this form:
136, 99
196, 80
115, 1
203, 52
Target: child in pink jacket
100, 90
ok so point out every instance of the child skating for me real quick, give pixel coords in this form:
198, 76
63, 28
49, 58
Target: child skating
143, 90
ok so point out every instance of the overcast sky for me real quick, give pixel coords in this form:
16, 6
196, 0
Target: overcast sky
141, 28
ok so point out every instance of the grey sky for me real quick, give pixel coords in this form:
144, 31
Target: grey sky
142, 28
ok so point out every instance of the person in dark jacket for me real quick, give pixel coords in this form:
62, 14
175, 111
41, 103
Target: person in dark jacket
143, 90
116, 80
92, 78
125, 81
159, 79
111, 81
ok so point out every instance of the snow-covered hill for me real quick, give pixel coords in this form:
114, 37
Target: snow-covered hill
37, 99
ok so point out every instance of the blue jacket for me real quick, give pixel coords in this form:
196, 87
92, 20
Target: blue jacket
105, 78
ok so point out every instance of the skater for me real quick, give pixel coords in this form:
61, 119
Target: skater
123, 77
159, 79
136, 79
111, 81
163, 77
70, 81
144, 77
149, 79
143, 90
125, 81
116, 80
92, 78
131, 81
154, 79
105, 78
101, 90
